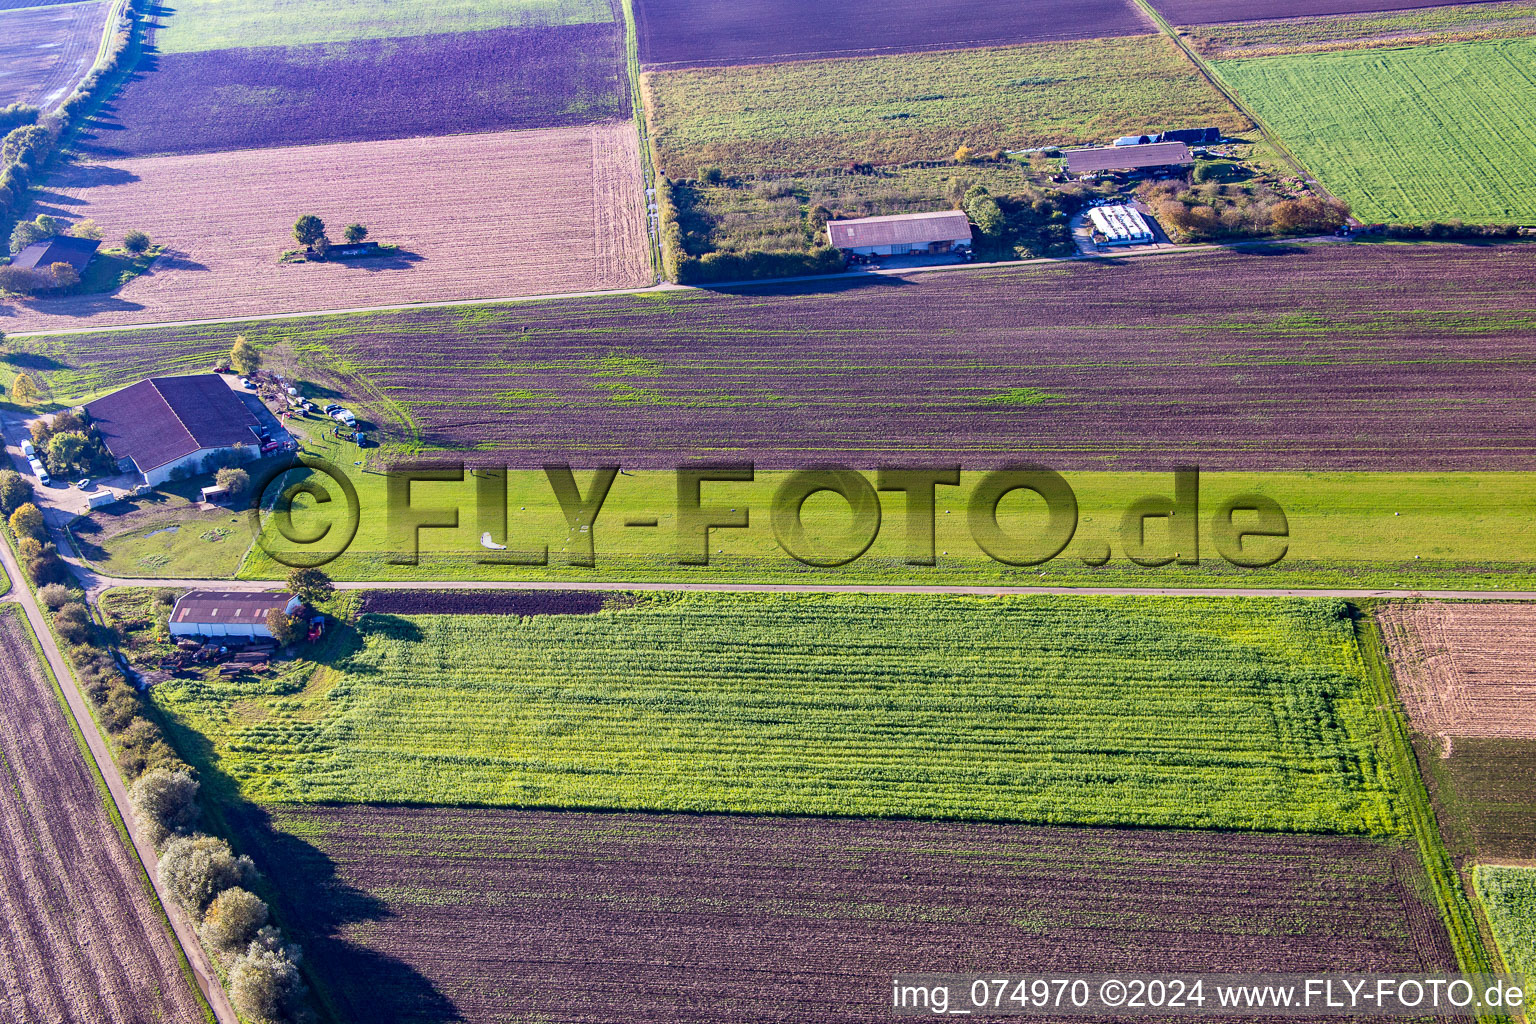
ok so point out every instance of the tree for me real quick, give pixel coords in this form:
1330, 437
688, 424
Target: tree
86, 229
54, 596
135, 241
25, 390
233, 919
21, 145
233, 480
195, 869
15, 490
164, 801
27, 521
285, 629
309, 229
244, 358
16, 115
73, 622
264, 982
49, 226
354, 233
312, 586
24, 234
964, 155
66, 452
63, 275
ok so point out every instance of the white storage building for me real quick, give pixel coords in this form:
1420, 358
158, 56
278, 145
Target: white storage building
901, 234
231, 613
1121, 225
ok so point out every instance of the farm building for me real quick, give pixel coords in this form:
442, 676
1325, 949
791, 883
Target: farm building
1151, 157
220, 613
76, 252
163, 424
1120, 225
898, 235
1191, 136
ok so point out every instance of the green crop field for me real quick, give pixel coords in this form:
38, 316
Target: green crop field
923, 106
1509, 899
1454, 23
1234, 713
1425, 133
223, 24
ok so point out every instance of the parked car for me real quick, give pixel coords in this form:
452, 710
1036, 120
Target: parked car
42, 473
84, 484
29, 449
329, 408
247, 383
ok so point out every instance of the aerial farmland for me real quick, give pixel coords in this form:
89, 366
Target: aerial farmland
619, 511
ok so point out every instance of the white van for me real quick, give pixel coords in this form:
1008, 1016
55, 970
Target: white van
29, 449
42, 473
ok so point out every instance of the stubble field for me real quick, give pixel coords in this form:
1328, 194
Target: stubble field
80, 938
1464, 674
922, 106
1364, 31
495, 80
700, 33
44, 51
473, 215
1205, 12
759, 918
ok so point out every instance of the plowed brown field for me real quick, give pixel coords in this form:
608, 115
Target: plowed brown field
475, 216
1465, 669
430, 914
44, 51
79, 937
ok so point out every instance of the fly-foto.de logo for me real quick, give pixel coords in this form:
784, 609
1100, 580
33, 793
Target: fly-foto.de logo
308, 513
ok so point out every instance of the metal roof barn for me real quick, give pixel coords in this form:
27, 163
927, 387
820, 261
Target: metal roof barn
163, 422
901, 233
77, 252
1128, 158
232, 613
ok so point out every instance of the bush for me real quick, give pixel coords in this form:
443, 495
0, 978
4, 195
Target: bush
195, 869
244, 358
73, 623
19, 280
164, 801
233, 919
727, 266
264, 982
17, 115
62, 275
354, 233
136, 241
27, 521
166, 595
15, 491
285, 629
55, 596
235, 481
86, 229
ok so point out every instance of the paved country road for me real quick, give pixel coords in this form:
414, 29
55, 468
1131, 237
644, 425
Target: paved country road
185, 933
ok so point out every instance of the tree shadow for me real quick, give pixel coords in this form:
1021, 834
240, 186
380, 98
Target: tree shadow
399, 260
829, 285
32, 361
390, 627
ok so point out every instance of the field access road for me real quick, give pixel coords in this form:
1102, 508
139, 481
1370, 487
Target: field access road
668, 286
95, 584
185, 933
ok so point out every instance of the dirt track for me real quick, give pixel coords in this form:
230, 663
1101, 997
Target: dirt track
80, 939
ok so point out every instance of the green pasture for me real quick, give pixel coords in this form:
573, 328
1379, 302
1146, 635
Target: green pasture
1228, 713
1509, 899
1346, 529
1421, 133
163, 534
923, 106
196, 25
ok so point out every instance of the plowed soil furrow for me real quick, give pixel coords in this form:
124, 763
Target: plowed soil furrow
80, 938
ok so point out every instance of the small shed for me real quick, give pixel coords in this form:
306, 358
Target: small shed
225, 613
98, 499
215, 494
1191, 136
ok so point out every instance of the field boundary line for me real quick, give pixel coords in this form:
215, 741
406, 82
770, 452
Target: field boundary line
206, 984
642, 129
1211, 75
1457, 911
